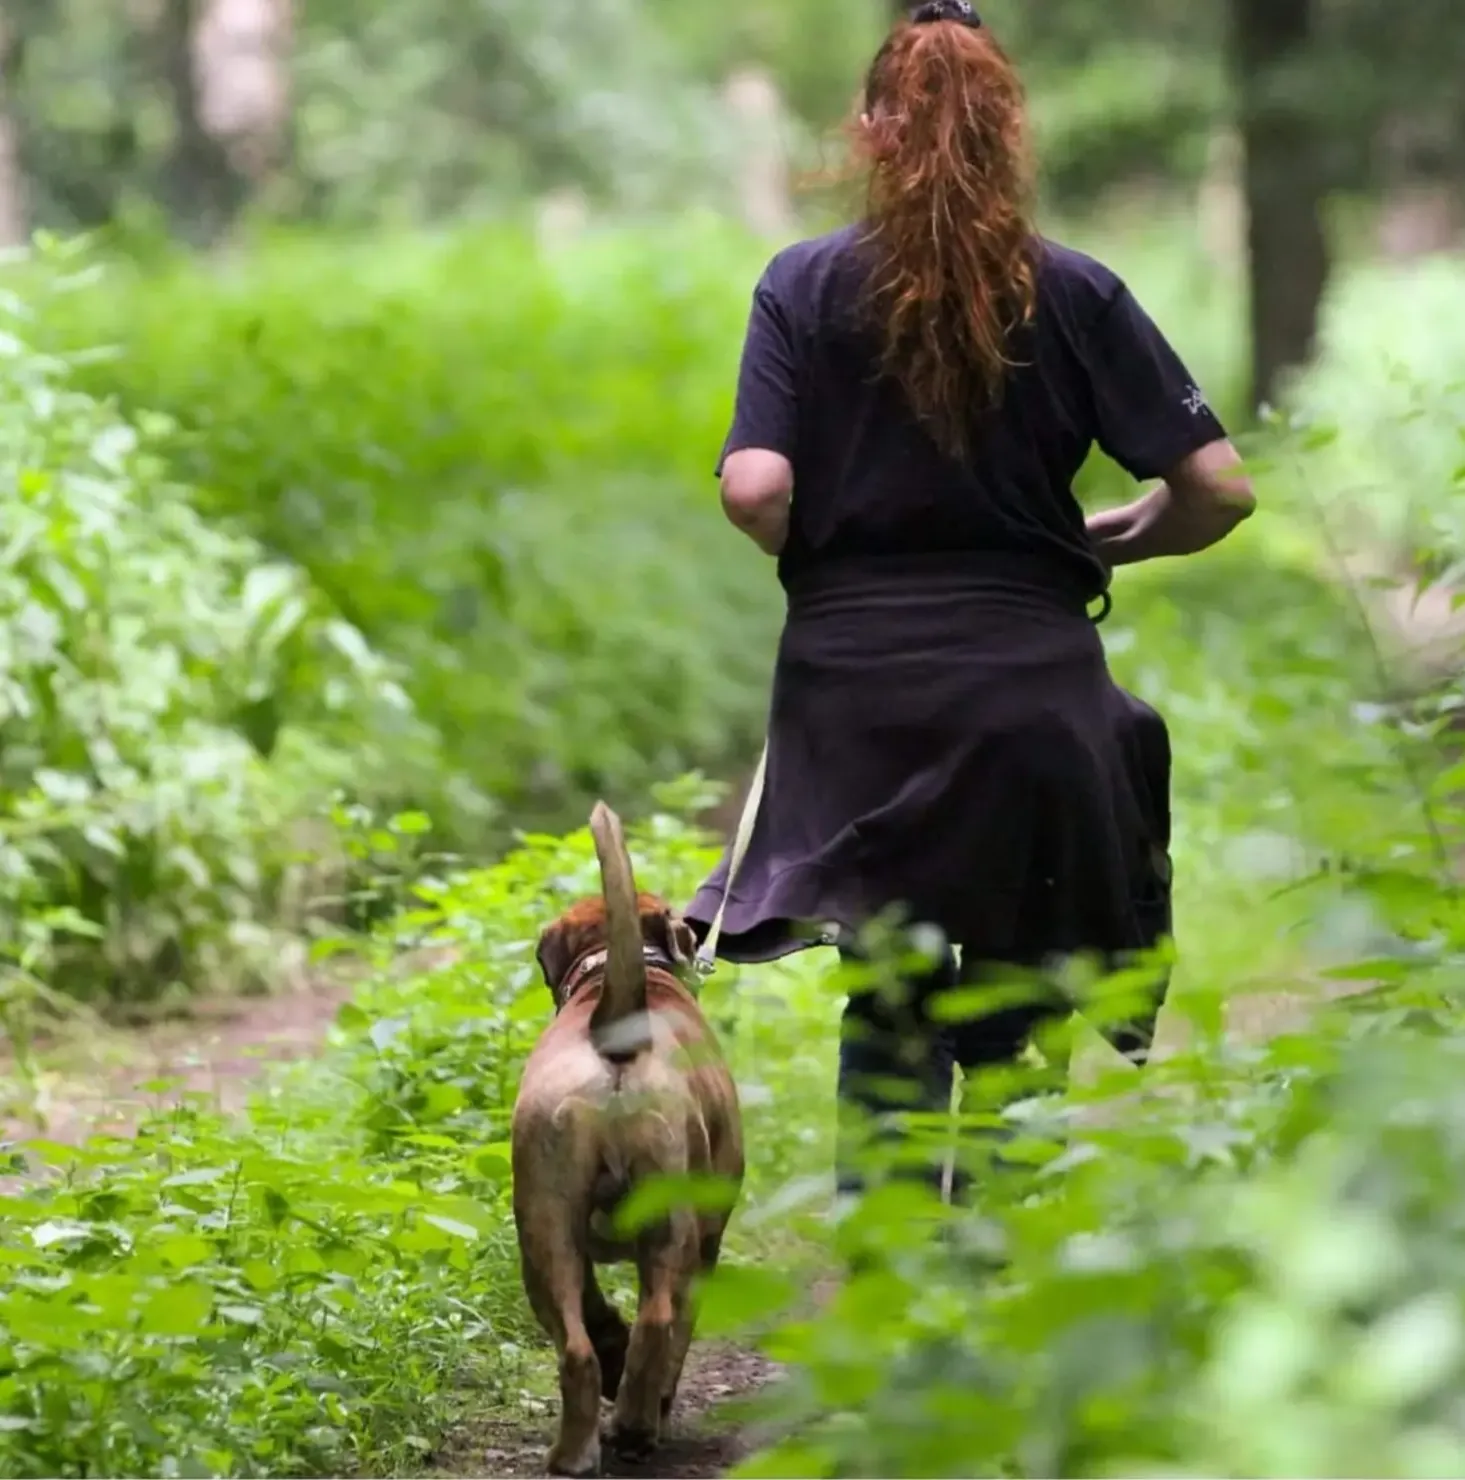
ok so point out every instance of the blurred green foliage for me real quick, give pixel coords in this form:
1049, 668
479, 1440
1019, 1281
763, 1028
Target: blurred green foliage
439, 106
816, 51
496, 461
316, 1290
421, 109
396, 111
174, 701
1246, 1267
1394, 388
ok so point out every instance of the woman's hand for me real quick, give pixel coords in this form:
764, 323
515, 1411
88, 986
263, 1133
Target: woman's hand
757, 496
1197, 506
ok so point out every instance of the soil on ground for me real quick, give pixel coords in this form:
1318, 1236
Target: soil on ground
703, 1441
94, 1080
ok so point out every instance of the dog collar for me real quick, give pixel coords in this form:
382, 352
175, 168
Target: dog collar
592, 961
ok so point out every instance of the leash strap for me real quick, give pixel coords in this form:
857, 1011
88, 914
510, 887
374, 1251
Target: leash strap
707, 956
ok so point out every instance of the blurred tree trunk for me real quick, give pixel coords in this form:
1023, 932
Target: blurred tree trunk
201, 188
14, 215
1285, 184
52, 165
764, 192
241, 52
1419, 164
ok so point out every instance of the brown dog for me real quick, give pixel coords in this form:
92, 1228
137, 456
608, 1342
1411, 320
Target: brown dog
627, 1083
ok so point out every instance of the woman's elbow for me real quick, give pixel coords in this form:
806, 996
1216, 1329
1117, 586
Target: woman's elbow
751, 509
1216, 477
756, 486
738, 504
1239, 497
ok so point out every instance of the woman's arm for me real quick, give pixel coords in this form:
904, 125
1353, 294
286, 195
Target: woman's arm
1200, 502
757, 493
756, 467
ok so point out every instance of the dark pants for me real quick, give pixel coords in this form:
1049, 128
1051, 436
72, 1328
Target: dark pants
894, 1058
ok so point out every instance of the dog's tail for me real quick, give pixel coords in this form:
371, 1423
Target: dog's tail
619, 1020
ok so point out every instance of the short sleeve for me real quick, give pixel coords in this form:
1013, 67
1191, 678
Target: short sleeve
1151, 414
765, 414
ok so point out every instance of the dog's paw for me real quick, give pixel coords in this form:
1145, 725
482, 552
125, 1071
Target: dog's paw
633, 1444
577, 1467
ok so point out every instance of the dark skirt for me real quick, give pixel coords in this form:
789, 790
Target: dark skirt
945, 738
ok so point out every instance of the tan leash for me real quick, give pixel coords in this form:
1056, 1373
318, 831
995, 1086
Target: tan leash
707, 956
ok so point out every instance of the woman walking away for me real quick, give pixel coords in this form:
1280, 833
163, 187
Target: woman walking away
917, 393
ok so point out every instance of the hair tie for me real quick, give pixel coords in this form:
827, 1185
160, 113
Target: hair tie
945, 10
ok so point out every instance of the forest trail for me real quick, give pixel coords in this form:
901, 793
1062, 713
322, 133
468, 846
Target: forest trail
91, 1081
704, 1440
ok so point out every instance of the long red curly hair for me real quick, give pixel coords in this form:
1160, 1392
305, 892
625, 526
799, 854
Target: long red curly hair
942, 146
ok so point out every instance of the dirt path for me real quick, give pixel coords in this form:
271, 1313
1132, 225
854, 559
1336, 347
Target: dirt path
93, 1080
703, 1442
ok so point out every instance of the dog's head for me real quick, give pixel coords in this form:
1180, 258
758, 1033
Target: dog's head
583, 928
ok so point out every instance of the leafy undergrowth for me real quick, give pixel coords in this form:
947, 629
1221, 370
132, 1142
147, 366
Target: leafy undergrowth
178, 705
509, 492
1248, 1260
321, 1287
1254, 1269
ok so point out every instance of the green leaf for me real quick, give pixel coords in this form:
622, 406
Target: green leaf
386, 1031
186, 1250
261, 1274
452, 1226
351, 1018
277, 1208
739, 1297
179, 1309
243, 1315
491, 1164
59, 1231
196, 1177
652, 1200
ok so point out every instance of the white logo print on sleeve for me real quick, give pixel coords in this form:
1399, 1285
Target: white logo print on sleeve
1194, 401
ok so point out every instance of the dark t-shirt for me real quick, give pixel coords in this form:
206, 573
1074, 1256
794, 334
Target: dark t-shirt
868, 479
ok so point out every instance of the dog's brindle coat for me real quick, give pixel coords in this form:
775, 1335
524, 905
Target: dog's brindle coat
626, 1083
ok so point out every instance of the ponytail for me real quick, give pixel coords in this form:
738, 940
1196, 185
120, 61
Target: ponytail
948, 208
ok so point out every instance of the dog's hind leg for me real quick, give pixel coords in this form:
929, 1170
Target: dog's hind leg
681, 1344
709, 1248
666, 1265
609, 1335
554, 1279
